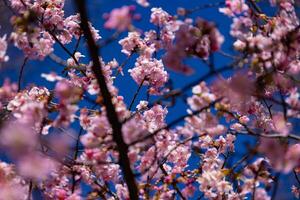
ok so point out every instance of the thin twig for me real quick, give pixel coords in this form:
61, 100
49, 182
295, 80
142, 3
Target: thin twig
76, 46
75, 158
135, 94
209, 5
277, 178
21, 73
255, 6
296, 176
120, 68
255, 179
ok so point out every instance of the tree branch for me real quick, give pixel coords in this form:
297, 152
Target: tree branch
21, 73
107, 100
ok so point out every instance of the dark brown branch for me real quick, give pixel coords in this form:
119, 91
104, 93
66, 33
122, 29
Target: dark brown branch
29, 190
283, 103
255, 6
296, 176
120, 68
62, 46
135, 94
268, 107
107, 101
209, 5
21, 73
76, 46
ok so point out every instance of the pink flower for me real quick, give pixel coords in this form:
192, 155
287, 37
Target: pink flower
18, 138
134, 129
66, 115
67, 92
36, 166
143, 3
282, 158
189, 191
3, 48
159, 17
236, 91
199, 40
34, 31
32, 113
292, 158
281, 125
122, 191
151, 72
155, 117
95, 32
142, 105
52, 77
120, 18
131, 43
202, 96
72, 25
36, 45
134, 43
293, 101
296, 191
234, 7
261, 194
14, 188
239, 45
294, 67
7, 92
274, 151
68, 95
29, 106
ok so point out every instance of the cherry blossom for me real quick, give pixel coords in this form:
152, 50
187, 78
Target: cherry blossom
13, 186
120, 19
199, 40
234, 7
143, 3
3, 48
40, 24
230, 131
150, 72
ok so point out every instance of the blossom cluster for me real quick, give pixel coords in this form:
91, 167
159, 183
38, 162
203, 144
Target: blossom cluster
81, 138
198, 40
3, 49
38, 25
